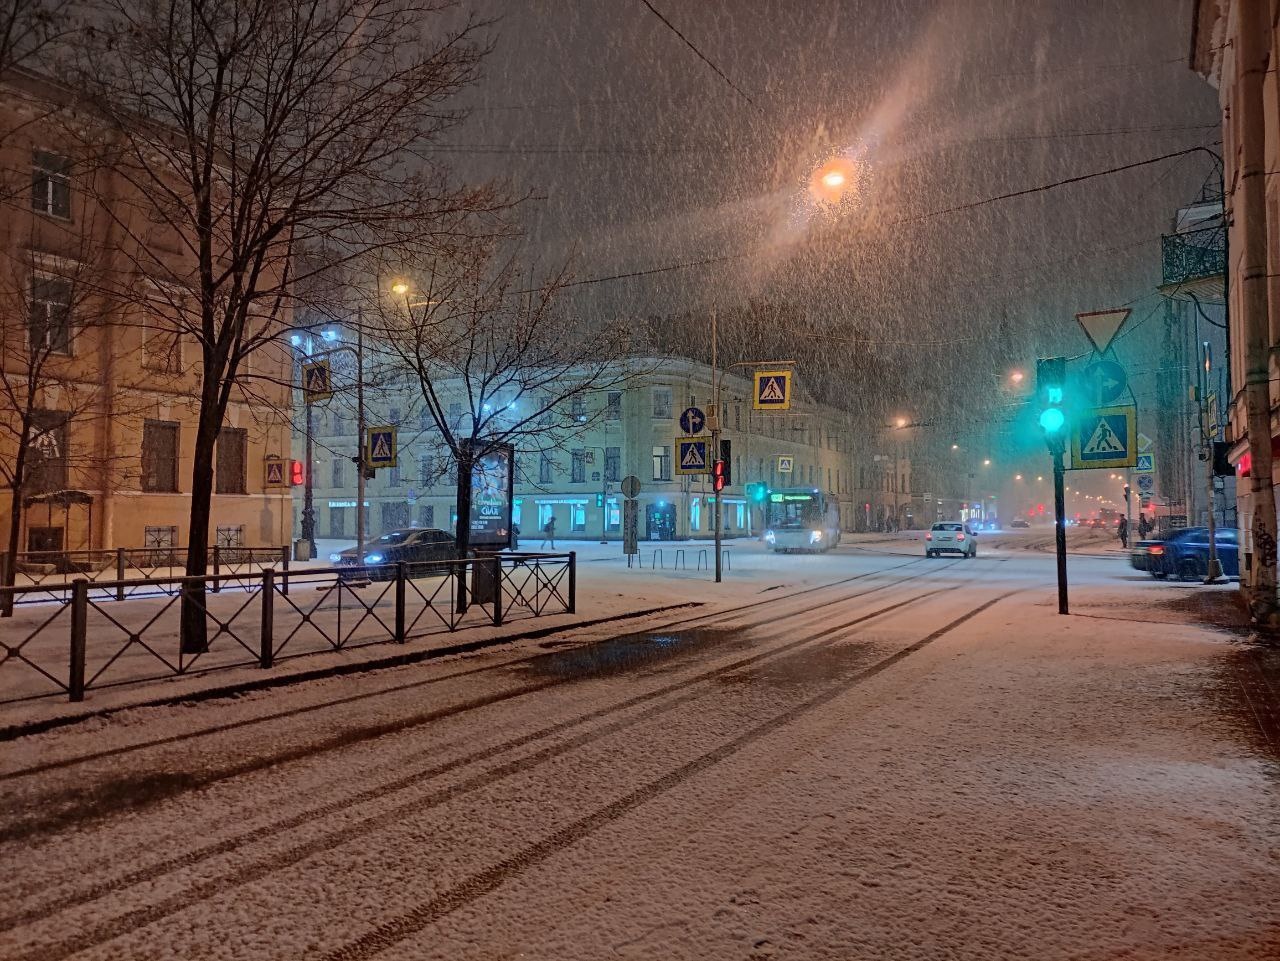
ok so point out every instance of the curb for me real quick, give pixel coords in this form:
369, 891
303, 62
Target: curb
14, 731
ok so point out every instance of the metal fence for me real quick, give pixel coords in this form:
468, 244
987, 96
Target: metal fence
130, 571
93, 641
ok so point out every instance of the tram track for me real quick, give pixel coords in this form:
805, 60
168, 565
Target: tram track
679, 623
686, 690
488, 879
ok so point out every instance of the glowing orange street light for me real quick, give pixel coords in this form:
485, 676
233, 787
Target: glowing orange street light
400, 287
832, 180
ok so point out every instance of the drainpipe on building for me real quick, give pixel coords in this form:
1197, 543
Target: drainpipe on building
1249, 207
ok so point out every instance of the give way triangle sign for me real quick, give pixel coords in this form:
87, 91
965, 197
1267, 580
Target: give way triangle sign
1101, 326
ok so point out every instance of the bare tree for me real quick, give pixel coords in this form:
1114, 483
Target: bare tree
54, 345
262, 129
515, 362
29, 28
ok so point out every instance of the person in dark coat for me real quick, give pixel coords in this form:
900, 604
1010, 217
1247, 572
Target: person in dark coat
1123, 530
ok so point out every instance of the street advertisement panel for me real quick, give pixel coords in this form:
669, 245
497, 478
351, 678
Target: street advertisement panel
491, 494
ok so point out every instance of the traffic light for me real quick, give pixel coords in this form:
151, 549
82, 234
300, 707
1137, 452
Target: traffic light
1051, 383
718, 476
757, 491
599, 500
296, 474
726, 457
1039, 508
1126, 493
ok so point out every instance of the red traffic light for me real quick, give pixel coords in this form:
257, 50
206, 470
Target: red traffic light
1039, 508
296, 476
717, 475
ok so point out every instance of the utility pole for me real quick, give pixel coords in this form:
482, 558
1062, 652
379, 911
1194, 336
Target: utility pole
715, 435
1051, 377
362, 460
1060, 521
1213, 573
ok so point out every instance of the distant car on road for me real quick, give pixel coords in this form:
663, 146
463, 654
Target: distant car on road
1184, 555
421, 549
950, 537
1019, 523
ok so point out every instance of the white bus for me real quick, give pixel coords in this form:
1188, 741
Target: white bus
801, 519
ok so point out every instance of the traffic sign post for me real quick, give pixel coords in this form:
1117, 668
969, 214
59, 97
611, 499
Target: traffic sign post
786, 465
630, 487
317, 382
274, 472
1146, 484
1145, 463
380, 447
1105, 382
772, 390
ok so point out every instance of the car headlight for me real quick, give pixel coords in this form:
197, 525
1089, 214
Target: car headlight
815, 536
335, 557
769, 537
373, 558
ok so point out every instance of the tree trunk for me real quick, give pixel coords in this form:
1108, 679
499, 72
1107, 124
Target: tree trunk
463, 530
194, 622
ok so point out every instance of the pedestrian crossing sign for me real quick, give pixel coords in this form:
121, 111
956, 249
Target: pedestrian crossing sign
1104, 437
380, 447
317, 384
773, 390
275, 473
692, 456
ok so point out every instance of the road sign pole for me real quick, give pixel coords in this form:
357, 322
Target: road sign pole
1130, 493
1060, 528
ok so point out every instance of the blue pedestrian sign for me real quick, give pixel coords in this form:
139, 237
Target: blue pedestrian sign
692, 421
1105, 382
1104, 437
692, 455
381, 449
1146, 463
773, 390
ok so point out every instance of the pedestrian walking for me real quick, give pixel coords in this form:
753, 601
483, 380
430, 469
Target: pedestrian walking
515, 537
549, 532
1144, 526
1123, 530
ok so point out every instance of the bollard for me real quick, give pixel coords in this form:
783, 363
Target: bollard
573, 582
497, 590
284, 564
119, 573
265, 641
400, 631
217, 568
79, 629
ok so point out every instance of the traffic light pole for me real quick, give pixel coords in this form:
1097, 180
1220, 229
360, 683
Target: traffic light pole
1060, 523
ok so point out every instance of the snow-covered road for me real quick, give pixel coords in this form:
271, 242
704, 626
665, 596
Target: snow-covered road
903, 759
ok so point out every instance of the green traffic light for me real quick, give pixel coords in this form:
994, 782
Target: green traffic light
1052, 419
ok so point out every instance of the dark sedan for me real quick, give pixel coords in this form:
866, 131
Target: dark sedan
420, 549
1185, 553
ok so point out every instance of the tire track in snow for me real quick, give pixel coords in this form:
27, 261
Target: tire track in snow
141, 917
490, 879
400, 688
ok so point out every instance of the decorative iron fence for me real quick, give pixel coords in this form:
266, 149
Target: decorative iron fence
1193, 255
93, 641
131, 571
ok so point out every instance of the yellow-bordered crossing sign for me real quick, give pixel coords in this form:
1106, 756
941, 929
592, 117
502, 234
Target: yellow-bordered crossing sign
773, 390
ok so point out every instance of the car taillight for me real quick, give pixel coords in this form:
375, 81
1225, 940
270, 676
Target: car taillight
1156, 549
928, 537
959, 537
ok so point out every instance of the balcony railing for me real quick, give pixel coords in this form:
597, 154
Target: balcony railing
1193, 256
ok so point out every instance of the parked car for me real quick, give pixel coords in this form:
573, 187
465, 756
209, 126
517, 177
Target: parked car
421, 549
1020, 523
950, 537
1185, 553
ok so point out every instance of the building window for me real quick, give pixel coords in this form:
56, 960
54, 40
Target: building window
455, 415
159, 456
161, 347
545, 468
662, 402
425, 420
579, 469
336, 476
426, 469
230, 536
49, 316
426, 515
51, 184
612, 464
662, 463
393, 476
48, 447
337, 522
230, 468
578, 409
393, 416
577, 517
396, 516
613, 405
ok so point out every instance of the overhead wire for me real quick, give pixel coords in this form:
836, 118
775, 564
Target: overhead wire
701, 56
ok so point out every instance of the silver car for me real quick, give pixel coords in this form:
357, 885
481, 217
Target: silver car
950, 537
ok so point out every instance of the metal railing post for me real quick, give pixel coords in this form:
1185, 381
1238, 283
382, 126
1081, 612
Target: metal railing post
497, 590
266, 640
217, 567
79, 630
573, 582
6, 599
284, 564
400, 638
119, 573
